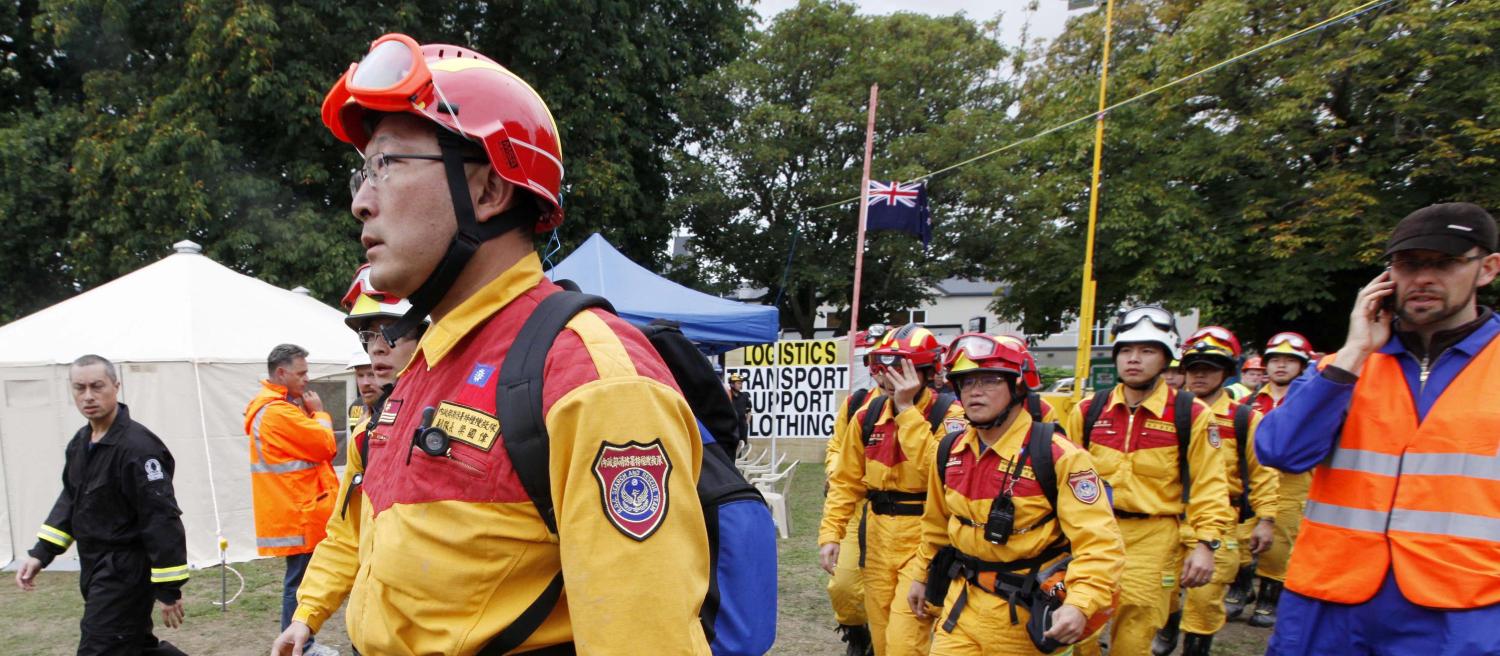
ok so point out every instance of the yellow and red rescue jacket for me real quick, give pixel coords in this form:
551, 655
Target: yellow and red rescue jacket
956, 511
456, 548
891, 463
1136, 453
1422, 498
1264, 481
291, 472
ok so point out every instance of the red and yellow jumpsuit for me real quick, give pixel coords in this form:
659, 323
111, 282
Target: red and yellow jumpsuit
335, 562
1290, 502
456, 549
889, 473
975, 476
1135, 450
846, 588
1203, 613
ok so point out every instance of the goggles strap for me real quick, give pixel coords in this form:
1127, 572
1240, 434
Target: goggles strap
466, 240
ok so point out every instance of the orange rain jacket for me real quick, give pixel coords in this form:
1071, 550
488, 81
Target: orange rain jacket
291, 472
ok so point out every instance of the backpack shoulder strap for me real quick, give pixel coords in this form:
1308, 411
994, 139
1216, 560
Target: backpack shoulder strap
1183, 422
518, 404
945, 447
1091, 417
1039, 445
1242, 416
1034, 406
856, 399
872, 415
518, 394
939, 410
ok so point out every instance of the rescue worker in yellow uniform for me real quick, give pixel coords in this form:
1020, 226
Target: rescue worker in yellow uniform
1136, 443
1287, 355
336, 560
993, 522
846, 587
882, 464
609, 553
1209, 356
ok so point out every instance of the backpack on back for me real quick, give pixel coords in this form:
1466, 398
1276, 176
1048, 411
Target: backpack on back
935, 414
1182, 422
739, 612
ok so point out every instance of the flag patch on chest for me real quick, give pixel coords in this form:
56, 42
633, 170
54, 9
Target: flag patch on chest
481, 374
633, 486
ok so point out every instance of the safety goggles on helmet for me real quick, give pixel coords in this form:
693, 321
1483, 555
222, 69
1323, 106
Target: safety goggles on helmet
1219, 336
1154, 314
1289, 343
882, 362
1207, 351
363, 302
972, 353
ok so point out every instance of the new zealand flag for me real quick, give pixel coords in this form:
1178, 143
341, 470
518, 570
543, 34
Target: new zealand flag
900, 206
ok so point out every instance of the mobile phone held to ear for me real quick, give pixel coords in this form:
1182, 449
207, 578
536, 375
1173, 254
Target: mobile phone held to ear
1389, 302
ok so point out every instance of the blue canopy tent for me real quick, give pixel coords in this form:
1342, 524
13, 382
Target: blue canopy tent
715, 324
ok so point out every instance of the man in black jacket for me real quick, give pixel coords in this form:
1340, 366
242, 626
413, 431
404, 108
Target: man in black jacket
117, 499
742, 411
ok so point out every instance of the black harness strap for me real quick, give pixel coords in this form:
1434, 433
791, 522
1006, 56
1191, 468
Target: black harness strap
1242, 416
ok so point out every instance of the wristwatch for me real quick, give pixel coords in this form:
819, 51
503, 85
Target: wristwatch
1213, 545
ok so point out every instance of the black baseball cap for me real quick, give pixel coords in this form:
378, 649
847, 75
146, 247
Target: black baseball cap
1451, 228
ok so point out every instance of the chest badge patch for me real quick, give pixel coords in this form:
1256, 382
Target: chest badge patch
153, 470
633, 486
388, 415
954, 425
1085, 486
1213, 436
475, 428
481, 374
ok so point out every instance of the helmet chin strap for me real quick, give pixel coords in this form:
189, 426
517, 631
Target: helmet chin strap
466, 241
1146, 387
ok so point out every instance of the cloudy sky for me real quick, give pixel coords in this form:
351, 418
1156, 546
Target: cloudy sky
1047, 22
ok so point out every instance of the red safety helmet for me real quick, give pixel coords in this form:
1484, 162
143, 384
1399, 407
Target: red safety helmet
1031, 375
1289, 343
912, 342
1213, 345
1254, 363
1220, 335
972, 353
464, 92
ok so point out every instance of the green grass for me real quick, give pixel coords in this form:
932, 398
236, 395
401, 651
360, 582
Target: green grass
45, 622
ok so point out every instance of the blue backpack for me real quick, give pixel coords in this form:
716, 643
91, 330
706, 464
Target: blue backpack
739, 612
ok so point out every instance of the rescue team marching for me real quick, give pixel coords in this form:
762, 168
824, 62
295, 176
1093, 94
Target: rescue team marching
524, 461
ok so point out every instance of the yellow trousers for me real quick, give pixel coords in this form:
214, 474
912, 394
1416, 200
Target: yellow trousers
1203, 612
1153, 560
846, 588
1293, 498
889, 541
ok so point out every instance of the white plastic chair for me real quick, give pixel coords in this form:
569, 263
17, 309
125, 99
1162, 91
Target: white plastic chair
752, 471
774, 488
752, 461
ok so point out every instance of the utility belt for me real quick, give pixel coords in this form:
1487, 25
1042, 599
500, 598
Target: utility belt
1126, 514
1019, 582
896, 503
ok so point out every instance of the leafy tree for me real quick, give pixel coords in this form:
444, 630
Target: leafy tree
1261, 193
130, 125
781, 130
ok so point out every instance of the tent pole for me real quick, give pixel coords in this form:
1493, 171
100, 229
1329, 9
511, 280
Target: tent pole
213, 493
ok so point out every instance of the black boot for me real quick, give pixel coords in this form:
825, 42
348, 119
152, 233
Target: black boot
1265, 607
1196, 645
1239, 594
1166, 639
857, 637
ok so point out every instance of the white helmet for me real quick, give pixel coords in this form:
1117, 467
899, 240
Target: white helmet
1147, 324
359, 359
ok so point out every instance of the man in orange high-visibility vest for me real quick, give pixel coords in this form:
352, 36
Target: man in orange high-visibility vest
1399, 551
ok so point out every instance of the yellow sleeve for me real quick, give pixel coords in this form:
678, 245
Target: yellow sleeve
934, 520
1264, 481
840, 425
1208, 511
845, 482
335, 561
607, 567
1073, 425
915, 434
1094, 537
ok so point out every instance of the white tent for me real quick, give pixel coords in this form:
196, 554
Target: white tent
190, 338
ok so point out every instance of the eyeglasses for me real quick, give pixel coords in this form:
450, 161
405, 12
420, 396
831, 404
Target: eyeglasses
1411, 265
368, 337
377, 168
980, 382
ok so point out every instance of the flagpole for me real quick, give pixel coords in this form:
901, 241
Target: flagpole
859, 246
1086, 303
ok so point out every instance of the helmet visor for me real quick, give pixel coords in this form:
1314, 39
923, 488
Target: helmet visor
1155, 315
976, 346
1290, 339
